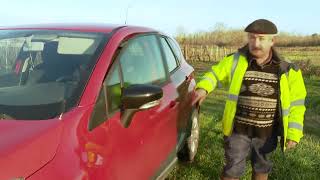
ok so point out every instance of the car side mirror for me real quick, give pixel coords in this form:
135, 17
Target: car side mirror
136, 98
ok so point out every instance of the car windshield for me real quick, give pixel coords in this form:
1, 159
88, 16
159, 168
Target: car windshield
44, 72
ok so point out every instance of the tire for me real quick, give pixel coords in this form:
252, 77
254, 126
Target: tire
190, 147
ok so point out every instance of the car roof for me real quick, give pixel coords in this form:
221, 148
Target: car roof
85, 27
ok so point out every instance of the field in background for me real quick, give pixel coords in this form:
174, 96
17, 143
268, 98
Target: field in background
301, 54
196, 53
307, 58
301, 163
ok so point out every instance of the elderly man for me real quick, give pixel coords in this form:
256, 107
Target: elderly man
265, 100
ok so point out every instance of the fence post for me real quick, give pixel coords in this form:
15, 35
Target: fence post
211, 53
186, 52
217, 53
200, 53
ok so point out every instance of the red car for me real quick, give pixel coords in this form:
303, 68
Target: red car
94, 102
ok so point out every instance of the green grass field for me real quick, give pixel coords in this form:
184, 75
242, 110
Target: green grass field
301, 163
301, 53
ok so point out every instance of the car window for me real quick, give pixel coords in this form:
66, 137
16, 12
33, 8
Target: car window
141, 61
108, 101
99, 114
44, 72
170, 58
113, 88
176, 48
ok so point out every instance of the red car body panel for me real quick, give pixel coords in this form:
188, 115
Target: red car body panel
63, 148
27, 145
111, 150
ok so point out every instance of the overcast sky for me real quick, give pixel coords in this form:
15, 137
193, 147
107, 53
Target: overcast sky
302, 17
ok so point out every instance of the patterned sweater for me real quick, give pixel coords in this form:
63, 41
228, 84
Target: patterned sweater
258, 99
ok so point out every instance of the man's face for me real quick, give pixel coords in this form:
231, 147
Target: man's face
260, 44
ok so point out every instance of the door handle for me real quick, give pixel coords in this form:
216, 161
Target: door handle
188, 79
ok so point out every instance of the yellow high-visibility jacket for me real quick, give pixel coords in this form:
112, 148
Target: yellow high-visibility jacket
229, 72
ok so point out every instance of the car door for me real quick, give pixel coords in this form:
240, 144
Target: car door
181, 77
147, 146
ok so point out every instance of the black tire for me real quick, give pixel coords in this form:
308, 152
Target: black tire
190, 147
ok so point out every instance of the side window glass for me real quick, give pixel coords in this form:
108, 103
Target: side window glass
141, 61
113, 90
99, 114
176, 48
110, 92
170, 58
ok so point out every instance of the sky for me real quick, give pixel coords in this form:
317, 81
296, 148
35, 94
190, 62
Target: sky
172, 17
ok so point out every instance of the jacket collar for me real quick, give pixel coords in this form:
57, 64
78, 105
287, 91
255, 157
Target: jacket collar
284, 66
245, 52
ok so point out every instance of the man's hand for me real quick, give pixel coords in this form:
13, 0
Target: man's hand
201, 94
291, 144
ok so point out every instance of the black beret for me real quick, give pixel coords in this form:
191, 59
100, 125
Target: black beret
262, 26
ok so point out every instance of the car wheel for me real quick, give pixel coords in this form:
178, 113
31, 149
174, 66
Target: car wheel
190, 147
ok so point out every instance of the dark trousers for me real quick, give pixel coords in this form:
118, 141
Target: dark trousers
240, 146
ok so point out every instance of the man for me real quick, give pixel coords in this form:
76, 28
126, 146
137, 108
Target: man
265, 100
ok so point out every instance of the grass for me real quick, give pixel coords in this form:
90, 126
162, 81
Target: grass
301, 163
301, 54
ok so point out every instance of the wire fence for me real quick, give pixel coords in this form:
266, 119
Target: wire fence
205, 53
194, 53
